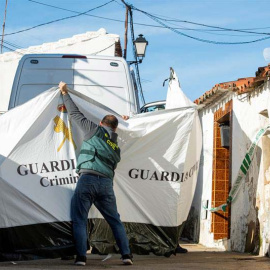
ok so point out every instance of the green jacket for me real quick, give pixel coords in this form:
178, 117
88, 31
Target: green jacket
99, 154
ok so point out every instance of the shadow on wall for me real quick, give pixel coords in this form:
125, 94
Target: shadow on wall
245, 224
253, 235
191, 229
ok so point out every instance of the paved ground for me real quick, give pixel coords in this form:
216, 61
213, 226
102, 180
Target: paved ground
198, 257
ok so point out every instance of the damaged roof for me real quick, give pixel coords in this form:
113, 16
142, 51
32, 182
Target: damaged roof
241, 86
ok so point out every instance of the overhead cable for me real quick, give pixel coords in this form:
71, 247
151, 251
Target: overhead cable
155, 18
61, 19
10, 49
95, 53
196, 38
13, 44
142, 24
212, 26
254, 28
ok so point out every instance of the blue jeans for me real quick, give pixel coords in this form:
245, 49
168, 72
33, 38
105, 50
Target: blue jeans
97, 190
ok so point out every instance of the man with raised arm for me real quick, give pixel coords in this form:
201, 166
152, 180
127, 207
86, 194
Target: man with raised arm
96, 163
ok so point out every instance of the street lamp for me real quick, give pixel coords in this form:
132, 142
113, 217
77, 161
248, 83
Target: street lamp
140, 45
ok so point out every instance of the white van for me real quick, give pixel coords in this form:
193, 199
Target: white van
106, 79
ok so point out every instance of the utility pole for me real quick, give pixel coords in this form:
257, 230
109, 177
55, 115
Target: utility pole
4, 23
129, 10
126, 30
126, 33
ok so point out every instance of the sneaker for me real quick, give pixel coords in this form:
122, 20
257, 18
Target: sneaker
179, 249
127, 259
80, 260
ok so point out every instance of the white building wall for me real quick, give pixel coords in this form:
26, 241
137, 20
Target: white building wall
263, 199
250, 211
248, 217
204, 184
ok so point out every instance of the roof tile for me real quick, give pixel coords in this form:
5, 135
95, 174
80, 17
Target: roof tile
242, 85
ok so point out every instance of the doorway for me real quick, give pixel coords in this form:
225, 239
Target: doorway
221, 175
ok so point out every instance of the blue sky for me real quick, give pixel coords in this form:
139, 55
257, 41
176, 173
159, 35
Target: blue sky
198, 65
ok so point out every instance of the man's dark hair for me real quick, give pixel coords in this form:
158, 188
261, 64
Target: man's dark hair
110, 121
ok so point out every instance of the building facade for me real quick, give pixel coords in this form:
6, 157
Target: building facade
231, 116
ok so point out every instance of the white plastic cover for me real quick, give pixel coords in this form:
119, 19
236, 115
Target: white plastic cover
175, 96
154, 182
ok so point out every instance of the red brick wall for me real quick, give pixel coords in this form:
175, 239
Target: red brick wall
220, 178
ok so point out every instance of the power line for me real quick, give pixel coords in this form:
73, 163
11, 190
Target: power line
195, 38
65, 18
18, 47
211, 26
155, 18
141, 24
13, 44
211, 31
8, 46
10, 49
122, 5
103, 49
255, 28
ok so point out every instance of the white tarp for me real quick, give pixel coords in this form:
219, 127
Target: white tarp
154, 182
175, 96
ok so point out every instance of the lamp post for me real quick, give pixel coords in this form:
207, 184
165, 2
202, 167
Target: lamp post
140, 45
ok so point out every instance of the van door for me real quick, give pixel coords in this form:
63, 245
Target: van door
105, 81
38, 74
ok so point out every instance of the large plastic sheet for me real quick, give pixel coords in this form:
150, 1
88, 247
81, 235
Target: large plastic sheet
154, 182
